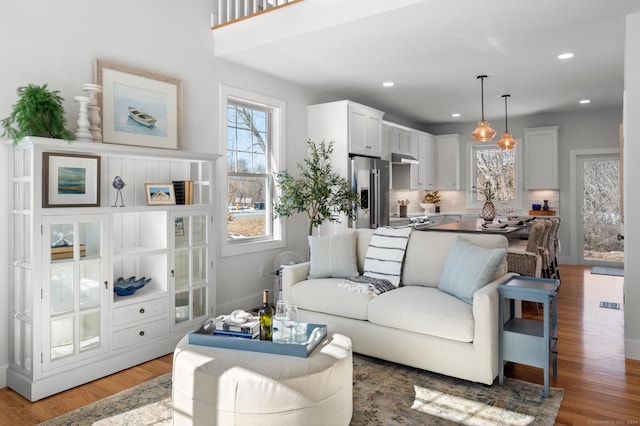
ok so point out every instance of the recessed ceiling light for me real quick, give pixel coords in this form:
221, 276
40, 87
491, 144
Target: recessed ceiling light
585, 101
455, 114
388, 84
565, 55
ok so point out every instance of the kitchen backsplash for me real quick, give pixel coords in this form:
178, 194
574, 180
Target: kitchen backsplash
455, 201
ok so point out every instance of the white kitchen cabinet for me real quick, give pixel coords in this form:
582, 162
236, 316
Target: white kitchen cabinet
447, 154
356, 128
541, 158
67, 325
426, 169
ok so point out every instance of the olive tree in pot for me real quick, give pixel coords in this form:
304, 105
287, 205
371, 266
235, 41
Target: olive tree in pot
38, 112
319, 191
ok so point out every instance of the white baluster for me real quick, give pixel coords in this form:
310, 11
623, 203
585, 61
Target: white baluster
82, 132
221, 11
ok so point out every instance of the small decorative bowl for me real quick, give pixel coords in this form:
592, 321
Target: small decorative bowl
536, 206
129, 286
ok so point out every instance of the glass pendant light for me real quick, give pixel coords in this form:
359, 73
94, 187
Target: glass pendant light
483, 132
506, 141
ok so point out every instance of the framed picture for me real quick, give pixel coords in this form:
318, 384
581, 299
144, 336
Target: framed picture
160, 194
70, 180
179, 227
139, 107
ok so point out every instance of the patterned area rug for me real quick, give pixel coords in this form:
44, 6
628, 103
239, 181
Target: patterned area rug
384, 393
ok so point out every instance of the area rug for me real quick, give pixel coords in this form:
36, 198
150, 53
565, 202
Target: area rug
384, 393
606, 270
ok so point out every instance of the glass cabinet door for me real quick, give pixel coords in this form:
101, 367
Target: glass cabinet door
190, 266
75, 288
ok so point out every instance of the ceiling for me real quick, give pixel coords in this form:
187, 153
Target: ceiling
434, 49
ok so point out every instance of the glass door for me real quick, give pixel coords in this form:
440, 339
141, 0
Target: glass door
599, 206
190, 270
75, 288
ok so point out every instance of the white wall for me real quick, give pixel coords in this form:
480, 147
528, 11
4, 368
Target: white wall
58, 42
631, 178
589, 129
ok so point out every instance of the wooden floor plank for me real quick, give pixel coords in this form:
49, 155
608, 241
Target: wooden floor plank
601, 387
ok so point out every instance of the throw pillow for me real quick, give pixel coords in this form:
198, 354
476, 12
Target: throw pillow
386, 253
333, 256
468, 268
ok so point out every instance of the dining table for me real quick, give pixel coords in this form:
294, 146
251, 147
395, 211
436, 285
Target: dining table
477, 226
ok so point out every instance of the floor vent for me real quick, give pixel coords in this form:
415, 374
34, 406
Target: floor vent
610, 305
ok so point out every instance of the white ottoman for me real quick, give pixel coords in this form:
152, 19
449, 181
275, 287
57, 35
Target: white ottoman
234, 387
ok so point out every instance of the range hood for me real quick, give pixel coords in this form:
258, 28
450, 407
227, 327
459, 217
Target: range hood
397, 158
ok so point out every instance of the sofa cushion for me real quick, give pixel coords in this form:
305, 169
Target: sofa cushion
333, 256
386, 253
324, 295
424, 310
469, 268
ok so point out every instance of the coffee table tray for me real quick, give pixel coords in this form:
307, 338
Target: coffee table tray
316, 333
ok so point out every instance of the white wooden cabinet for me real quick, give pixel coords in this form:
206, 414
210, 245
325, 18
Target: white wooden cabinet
354, 126
67, 326
541, 158
426, 155
447, 154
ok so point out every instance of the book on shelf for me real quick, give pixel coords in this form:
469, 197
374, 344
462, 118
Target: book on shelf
240, 334
224, 324
183, 190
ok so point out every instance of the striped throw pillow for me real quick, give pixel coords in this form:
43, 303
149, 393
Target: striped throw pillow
386, 253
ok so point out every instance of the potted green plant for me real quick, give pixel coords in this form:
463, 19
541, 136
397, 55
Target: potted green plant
319, 191
38, 112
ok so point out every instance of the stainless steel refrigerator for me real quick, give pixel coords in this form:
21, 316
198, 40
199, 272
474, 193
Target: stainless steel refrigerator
370, 179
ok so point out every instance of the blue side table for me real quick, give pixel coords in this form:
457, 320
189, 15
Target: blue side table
526, 341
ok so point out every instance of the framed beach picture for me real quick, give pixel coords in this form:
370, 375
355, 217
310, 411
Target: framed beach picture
70, 180
139, 107
160, 194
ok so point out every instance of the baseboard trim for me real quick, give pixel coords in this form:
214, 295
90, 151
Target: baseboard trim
3, 376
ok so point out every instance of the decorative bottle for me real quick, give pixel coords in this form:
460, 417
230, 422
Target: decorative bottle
265, 315
545, 206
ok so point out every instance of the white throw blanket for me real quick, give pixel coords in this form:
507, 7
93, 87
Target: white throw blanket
366, 285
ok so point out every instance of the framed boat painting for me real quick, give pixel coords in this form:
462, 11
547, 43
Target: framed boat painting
139, 107
70, 180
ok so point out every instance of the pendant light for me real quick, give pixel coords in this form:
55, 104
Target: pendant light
506, 141
483, 132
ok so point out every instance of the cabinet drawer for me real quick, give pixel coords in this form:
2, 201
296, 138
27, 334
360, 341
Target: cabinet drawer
139, 334
139, 311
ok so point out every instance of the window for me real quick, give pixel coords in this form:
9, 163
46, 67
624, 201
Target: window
253, 143
497, 169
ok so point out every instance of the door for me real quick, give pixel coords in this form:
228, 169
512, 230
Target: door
75, 291
190, 268
599, 210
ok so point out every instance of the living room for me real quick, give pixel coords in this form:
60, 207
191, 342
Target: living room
59, 46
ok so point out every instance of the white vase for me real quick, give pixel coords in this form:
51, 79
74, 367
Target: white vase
429, 208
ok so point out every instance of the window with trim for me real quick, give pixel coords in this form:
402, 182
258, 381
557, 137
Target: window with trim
252, 152
496, 169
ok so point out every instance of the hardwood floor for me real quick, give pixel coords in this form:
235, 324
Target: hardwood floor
601, 387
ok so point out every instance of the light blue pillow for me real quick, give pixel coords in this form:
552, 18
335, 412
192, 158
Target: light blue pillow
469, 268
334, 256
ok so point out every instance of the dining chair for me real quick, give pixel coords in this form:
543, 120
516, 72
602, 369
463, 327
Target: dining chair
528, 260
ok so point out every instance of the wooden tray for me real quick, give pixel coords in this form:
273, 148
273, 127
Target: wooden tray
542, 212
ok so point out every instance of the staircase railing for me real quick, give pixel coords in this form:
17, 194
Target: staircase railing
229, 11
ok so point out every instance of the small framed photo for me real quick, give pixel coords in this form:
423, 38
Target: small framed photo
179, 227
139, 107
70, 180
160, 194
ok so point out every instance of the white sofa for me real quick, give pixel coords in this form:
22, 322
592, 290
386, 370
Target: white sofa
416, 324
